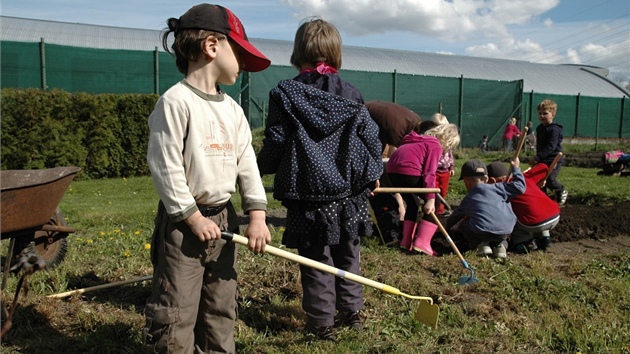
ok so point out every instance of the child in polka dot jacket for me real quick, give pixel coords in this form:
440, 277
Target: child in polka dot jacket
323, 147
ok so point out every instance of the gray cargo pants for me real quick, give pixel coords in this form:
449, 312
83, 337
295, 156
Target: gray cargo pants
192, 307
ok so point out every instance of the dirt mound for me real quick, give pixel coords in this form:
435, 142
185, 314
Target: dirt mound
579, 221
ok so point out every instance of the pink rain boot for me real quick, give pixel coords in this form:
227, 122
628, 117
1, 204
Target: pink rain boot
424, 233
409, 228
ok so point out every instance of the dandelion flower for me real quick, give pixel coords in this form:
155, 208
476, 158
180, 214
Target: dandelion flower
147, 246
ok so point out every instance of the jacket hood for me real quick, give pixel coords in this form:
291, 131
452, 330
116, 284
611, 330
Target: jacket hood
320, 112
414, 137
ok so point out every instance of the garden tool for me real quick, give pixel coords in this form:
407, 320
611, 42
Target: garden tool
521, 141
406, 190
518, 149
375, 222
551, 167
443, 201
464, 280
100, 287
427, 312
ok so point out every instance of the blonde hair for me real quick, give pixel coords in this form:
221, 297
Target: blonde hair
439, 119
512, 120
548, 105
316, 41
447, 134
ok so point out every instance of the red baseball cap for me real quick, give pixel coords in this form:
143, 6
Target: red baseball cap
220, 19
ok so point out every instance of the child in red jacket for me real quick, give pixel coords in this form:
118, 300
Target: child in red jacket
535, 212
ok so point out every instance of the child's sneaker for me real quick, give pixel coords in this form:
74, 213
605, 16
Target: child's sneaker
484, 249
526, 247
544, 243
561, 197
320, 333
499, 251
349, 319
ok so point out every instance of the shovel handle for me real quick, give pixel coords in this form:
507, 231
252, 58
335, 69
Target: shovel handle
550, 169
100, 287
521, 141
228, 236
406, 190
450, 241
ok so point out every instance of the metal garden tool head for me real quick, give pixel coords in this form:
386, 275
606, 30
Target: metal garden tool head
427, 312
464, 280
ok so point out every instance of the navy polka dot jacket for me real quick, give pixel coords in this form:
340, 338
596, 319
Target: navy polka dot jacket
321, 146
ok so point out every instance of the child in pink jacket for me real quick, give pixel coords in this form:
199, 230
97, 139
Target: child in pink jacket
414, 164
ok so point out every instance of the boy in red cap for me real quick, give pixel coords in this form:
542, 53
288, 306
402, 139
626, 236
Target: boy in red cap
199, 148
536, 213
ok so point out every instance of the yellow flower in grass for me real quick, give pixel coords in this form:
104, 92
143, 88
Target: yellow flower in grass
127, 254
102, 233
137, 233
147, 246
89, 241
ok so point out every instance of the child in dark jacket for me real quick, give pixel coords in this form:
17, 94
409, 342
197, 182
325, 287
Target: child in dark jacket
548, 144
323, 146
485, 215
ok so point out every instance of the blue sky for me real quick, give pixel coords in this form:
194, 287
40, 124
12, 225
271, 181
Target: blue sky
592, 32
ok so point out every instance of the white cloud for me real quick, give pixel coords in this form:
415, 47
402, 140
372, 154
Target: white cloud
455, 20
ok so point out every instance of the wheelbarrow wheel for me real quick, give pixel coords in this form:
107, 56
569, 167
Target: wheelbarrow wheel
50, 246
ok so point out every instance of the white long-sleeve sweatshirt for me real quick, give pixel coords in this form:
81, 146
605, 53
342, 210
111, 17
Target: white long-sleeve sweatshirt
199, 148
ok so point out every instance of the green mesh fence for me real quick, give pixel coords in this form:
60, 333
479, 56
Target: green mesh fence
478, 107
585, 117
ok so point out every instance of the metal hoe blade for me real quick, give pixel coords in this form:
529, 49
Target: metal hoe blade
427, 312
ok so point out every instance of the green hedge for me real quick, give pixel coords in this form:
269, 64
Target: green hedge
104, 134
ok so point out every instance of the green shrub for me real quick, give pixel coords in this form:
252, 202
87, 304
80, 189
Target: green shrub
106, 135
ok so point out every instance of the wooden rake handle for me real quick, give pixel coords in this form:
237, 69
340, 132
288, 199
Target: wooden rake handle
521, 141
450, 241
551, 167
406, 190
100, 287
228, 236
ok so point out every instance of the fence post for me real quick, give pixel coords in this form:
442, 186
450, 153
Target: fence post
531, 105
42, 62
577, 115
460, 111
623, 104
395, 85
156, 71
597, 126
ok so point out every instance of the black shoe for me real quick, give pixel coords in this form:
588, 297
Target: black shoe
526, 247
543, 243
321, 333
349, 319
